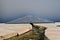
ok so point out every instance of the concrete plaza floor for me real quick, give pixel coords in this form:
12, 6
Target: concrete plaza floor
9, 30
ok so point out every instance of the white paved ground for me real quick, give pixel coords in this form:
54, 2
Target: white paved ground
9, 30
52, 32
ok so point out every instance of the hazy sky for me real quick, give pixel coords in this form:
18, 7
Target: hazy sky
49, 9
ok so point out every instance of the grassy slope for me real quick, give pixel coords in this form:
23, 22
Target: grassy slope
27, 36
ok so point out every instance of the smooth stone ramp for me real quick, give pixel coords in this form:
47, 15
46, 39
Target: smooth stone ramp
4, 33
7, 30
52, 32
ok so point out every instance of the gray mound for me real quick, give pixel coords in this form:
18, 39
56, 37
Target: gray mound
29, 19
